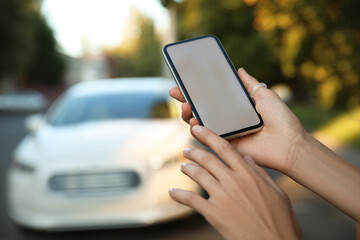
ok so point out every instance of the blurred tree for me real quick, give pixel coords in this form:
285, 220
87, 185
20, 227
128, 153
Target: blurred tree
47, 65
139, 55
316, 41
310, 45
27, 44
231, 21
15, 38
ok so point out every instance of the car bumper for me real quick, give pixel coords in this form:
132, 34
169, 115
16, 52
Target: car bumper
65, 222
32, 205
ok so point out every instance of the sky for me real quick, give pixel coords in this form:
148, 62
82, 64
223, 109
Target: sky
98, 23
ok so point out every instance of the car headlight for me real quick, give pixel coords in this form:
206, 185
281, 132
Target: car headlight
22, 167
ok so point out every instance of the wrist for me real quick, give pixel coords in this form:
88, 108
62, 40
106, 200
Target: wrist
296, 152
325, 173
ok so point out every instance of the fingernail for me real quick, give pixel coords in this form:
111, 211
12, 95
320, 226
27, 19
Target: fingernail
249, 160
183, 165
186, 150
196, 129
172, 189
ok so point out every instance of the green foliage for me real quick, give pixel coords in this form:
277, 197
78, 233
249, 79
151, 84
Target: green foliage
317, 43
140, 56
15, 38
27, 45
310, 45
313, 116
231, 21
47, 66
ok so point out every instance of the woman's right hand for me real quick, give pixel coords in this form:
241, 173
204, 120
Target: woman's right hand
244, 202
282, 134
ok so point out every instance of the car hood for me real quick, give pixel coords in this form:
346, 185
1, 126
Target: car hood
121, 140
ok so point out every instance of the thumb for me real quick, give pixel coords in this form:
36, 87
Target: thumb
250, 82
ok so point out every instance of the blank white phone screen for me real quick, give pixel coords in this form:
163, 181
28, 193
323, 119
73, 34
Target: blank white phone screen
214, 90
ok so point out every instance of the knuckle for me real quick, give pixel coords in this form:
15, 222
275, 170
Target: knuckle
232, 178
266, 93
198, 173
270, 94
214, 220
204, 158
185, 113
205, 133
224, 146
234, 184
182, 115
188, 198
255, 180
185, 116
273, 94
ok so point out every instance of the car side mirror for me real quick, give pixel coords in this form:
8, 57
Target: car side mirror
34, 122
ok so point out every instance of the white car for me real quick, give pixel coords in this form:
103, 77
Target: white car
104, 156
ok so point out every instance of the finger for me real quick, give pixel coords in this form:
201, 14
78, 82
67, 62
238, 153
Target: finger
267, 178
189, 199
193, 122
176, 93
261, 171
201, 176
186, 112
208, 161
250, 82
221, 147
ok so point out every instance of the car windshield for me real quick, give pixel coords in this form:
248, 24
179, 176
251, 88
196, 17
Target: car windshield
110, 106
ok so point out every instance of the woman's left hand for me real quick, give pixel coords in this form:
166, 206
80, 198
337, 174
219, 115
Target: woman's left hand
244, 202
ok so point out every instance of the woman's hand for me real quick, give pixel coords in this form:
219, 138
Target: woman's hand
280, 137
244, 202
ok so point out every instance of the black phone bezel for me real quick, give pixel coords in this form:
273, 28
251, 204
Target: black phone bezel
173, 70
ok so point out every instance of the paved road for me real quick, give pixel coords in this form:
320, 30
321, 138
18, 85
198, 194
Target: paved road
318, 219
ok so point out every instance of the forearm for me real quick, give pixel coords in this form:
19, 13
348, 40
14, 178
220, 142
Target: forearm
325, 173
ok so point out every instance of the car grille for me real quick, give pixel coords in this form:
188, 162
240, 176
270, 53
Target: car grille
94, 182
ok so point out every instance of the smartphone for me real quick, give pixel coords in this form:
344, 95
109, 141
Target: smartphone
210, 84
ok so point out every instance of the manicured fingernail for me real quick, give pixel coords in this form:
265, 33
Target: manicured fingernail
249, 160
196, 129
183, 165
186, 150
172, 189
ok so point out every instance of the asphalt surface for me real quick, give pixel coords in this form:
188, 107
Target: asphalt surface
318, 219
